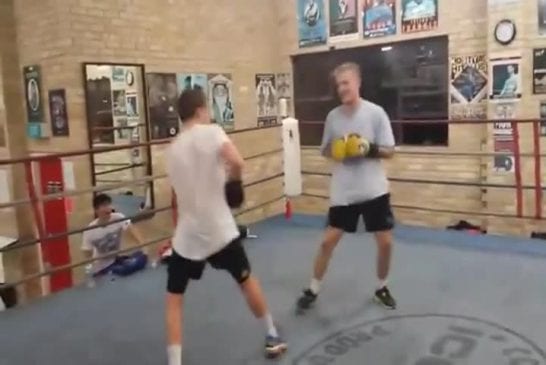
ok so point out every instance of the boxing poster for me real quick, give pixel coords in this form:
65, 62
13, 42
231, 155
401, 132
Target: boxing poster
539, 71
543, 118
58, 113
220, 90
162, 98
311, 23
33, 99
187, 81
266, 99
343, 20
132, 105
284, 94
506, 78
503, 137
419, 15
379, 18
541, 17
468, 87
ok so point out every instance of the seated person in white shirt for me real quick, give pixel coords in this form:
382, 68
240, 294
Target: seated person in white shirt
106, 238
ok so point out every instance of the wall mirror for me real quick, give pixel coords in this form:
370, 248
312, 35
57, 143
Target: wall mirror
115, 100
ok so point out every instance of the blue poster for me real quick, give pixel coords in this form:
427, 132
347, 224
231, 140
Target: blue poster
379, 18
311, 23
191, 81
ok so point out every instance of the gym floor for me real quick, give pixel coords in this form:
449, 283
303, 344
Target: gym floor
462, 300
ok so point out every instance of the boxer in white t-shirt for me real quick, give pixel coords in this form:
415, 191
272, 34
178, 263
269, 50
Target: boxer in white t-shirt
206, 231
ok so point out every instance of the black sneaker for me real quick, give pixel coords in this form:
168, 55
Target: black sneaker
306, 300
274, 347
383, 296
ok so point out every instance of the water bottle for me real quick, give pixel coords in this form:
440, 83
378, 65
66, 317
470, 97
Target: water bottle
89, 278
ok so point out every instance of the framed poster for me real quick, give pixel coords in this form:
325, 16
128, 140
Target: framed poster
120, 103
379, 18
162, 99
117, 111
311, 23
220, 87
419, 15
33, 101
505, 76
539, 71
284, 94
191, 81
132, 105
468, 87
541, 17
503, 138
343, 20
266, 98
58, 113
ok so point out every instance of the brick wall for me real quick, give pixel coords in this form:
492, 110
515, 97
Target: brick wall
167, 36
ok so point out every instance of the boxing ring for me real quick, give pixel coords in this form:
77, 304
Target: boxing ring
463, 298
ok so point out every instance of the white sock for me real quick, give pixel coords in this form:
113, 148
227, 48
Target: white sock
174, 354
382, 284
270, 326
315, 286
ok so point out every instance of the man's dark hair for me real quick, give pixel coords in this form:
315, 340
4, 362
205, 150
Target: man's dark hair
101, 199
189, 101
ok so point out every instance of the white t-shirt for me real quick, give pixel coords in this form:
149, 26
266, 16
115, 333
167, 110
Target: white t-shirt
104, 239
197, 174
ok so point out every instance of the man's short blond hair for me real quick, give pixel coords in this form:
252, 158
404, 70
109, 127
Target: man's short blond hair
347, 66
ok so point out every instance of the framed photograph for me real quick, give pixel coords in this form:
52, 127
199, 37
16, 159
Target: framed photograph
505, 73
58, 113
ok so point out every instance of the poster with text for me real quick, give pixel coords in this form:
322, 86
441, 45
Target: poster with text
284, 94
266, 99
58, 113
419, 15
542, 17
311, 23
343, 20
379, 18
543, 118
220, 90
505, 73
187, 81
539, 71
162, 97
503, 137
468, 87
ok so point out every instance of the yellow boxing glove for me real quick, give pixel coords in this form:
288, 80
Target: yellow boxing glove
338, 149
356, 146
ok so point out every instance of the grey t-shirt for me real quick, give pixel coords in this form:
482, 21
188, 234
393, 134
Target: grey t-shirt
358, 180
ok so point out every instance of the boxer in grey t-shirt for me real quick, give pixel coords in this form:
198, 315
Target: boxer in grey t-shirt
359, 185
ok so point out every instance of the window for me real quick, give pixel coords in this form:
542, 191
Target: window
408, 79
